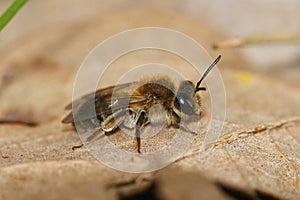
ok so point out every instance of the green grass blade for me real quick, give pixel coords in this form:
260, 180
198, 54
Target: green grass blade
10, 12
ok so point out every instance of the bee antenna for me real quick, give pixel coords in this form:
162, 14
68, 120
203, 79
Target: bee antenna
205, 74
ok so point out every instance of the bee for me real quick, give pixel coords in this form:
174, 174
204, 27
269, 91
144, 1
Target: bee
156, 100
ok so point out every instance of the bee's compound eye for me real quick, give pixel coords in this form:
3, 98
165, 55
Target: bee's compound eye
182, 103
185, 97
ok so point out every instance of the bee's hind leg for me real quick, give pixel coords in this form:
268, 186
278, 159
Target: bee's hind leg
138, 131
95, 135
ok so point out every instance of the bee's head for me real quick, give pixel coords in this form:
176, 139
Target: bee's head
187, 99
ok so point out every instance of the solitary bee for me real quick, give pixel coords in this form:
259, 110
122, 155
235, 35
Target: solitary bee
155, 100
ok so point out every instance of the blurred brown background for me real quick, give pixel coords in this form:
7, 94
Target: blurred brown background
231, 17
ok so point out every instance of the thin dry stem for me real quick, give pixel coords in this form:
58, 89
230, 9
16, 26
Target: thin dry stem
258, 39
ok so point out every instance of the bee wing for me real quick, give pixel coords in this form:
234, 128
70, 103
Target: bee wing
99, 93
103, 102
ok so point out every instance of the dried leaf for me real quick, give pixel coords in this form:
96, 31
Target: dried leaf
37, 75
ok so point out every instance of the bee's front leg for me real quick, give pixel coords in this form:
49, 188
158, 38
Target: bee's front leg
176, 122
138, 131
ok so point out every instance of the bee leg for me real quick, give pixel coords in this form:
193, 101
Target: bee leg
95, 135
186, 129
175, 122
138, 131
77, 146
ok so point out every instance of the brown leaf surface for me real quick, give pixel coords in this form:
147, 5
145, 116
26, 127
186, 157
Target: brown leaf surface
259, 149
